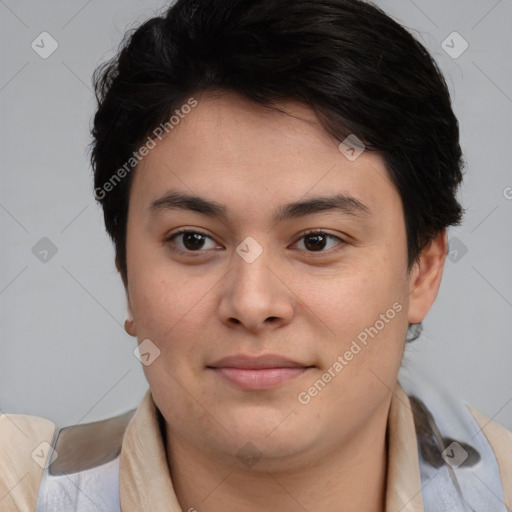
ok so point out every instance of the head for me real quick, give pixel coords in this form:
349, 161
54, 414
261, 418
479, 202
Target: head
277, 178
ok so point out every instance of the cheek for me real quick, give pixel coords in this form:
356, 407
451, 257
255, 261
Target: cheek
170, 308
374, 339
164, 304
352, 299
159, 296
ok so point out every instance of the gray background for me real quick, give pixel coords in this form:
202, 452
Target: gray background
64, 354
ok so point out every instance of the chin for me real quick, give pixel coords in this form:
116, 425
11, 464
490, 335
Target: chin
270, 439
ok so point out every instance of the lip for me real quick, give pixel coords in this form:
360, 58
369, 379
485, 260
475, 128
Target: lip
253, 373
261, 362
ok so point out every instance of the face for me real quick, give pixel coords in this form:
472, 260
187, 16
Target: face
252, 237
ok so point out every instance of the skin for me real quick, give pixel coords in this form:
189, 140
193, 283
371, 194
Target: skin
307, 305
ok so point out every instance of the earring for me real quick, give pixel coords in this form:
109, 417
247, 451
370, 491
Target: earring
129, 327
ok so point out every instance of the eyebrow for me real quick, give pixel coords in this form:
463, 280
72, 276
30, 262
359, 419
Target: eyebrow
343, 203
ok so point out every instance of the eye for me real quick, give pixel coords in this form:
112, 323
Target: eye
319, 241
188, 241
191, 241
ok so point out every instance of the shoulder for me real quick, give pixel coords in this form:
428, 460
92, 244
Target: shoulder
24, 448
41, 465
500, 440
472, 453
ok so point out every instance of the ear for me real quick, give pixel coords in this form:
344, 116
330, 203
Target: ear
129, 325
425, 278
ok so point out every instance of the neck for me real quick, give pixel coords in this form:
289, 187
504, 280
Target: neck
346, 478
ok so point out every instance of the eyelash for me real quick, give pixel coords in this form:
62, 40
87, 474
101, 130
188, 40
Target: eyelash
341, 242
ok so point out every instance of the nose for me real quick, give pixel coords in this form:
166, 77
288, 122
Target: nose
255, 297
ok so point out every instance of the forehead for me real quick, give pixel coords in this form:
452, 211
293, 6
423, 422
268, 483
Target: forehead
242, 154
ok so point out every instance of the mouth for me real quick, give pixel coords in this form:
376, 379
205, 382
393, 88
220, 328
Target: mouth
252, 373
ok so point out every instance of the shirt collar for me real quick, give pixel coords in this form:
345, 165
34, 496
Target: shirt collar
145, 481
403, 489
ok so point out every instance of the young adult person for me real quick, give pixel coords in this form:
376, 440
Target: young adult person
277, 178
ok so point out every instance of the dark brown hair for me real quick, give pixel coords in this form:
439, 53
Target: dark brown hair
361, 72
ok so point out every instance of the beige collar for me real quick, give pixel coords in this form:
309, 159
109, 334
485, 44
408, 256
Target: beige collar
145, 482
403, 493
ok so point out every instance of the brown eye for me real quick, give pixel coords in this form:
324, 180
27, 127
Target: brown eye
315, 242
319, 241
191, 241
